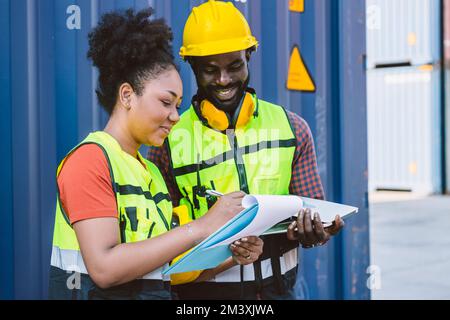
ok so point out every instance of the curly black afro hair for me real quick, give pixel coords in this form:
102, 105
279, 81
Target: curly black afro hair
128, 47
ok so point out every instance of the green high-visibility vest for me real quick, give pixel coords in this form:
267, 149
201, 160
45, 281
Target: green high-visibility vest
256, 159
143, 204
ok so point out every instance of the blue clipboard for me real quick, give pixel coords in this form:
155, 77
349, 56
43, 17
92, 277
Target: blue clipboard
203, 256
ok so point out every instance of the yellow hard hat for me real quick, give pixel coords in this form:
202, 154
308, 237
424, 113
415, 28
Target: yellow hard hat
216, 27
184, 277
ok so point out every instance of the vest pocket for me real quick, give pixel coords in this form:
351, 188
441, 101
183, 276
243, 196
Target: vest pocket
131, 213
266, 184
146, 224
136, 224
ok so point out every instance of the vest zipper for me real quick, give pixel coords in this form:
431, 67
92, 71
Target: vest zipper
123, 226
186, 195
239, 161
163, 218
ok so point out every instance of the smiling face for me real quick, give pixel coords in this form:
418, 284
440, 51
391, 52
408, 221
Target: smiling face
155, 112
222, 78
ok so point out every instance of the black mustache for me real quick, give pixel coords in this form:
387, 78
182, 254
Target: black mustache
216, 88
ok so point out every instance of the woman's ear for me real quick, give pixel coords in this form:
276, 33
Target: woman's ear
125, 93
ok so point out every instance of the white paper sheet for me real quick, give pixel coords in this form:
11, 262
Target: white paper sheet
328, 210
272, 209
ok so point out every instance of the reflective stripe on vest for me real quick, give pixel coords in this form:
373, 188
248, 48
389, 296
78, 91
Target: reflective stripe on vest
287, 262
143, 202
256, 159
71, 260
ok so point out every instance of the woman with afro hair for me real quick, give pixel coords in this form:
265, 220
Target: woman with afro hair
113, 235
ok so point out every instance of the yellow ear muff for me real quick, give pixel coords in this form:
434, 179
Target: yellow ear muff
217, 119
247, 111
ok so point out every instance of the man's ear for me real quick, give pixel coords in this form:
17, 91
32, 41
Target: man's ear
191, 62
248, 54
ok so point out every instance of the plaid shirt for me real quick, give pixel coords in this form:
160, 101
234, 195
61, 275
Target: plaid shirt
305, 179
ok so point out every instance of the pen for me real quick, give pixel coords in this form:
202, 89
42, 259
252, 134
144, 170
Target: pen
214, 193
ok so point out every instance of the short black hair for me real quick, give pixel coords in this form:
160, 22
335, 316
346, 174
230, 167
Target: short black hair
129, 47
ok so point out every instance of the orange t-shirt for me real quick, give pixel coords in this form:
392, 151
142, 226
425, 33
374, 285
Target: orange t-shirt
85, 185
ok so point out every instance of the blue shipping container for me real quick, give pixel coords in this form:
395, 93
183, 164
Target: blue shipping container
446, 96
446, 18
48, 105
447, 129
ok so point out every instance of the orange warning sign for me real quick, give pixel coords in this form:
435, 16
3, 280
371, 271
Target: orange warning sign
297, 5
299, 78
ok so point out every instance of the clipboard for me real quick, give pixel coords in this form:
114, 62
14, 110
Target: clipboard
262, 214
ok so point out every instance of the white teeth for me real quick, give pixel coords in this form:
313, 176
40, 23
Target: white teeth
224, 93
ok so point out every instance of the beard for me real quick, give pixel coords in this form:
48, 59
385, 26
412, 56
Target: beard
229, 106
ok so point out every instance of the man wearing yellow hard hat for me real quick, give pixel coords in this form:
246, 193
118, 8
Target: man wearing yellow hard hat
230, 140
